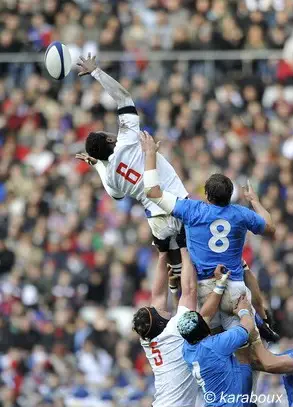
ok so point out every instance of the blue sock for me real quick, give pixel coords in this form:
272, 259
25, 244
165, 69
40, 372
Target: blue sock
288, 379
246, 375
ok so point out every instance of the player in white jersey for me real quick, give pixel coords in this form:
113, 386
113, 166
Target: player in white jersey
119, 160
160, 338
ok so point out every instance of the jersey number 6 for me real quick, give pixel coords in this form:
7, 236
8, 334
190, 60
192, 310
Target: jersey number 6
158, 359
128, 173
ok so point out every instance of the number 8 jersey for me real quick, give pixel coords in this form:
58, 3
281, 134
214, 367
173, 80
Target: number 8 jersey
174, 383
216, 235
125, 167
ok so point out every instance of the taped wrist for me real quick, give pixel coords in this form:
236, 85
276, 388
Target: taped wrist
150, 179
167, 201
221, 285
243, 312
219, 289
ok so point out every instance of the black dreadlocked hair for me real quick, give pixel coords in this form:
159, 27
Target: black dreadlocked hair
96, 145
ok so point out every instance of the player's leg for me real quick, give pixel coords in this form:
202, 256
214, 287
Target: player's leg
174, 258
263, 321
165, 229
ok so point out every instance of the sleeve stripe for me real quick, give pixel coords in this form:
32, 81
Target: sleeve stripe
127, 110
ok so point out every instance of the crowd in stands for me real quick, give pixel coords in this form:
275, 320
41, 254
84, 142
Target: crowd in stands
74, 264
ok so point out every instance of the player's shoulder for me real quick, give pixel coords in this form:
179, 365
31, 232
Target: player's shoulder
194, 203
239, 209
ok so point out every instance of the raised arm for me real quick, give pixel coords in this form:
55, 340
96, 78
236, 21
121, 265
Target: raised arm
189, 287
163, 199
252, 197
100, 167
116, 91
211, 304
160, 284
188, 297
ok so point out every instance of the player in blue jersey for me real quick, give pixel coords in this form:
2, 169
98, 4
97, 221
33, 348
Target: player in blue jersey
215, 229
211, 358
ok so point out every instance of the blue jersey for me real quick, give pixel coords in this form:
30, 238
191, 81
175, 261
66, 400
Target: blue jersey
216, 369
216, 235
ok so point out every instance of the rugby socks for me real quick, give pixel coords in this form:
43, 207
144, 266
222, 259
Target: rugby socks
246, 374
288, 380
174, 259
176, 269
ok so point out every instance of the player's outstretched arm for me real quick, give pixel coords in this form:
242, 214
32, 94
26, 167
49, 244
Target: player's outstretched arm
244, 312
252, 197
188, 297
160, 284
211, 305
101, 169
230, 341
116, 91
267, 361
163, 199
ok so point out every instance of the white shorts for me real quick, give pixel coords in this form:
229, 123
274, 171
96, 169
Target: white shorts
224, 317
164, 226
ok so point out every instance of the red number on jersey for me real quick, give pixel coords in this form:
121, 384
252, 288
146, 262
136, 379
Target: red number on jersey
158, 359
128, 173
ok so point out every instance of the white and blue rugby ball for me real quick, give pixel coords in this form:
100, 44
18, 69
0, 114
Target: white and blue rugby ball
58, 60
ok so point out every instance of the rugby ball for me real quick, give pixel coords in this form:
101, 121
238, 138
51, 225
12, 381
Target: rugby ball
58, 60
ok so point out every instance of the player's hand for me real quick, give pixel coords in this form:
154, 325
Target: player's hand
87, 65
219, 272
249, 193
222, 279
148, 144
86, 158
243, 303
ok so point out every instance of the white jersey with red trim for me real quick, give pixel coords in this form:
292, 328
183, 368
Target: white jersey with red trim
174, 383
124, 172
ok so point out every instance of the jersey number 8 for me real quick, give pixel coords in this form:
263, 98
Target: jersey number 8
219, 236
129, 174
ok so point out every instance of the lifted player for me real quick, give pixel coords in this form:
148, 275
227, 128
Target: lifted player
215, 229
119, 160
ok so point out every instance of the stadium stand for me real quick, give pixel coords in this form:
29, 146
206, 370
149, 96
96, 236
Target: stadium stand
73, 263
